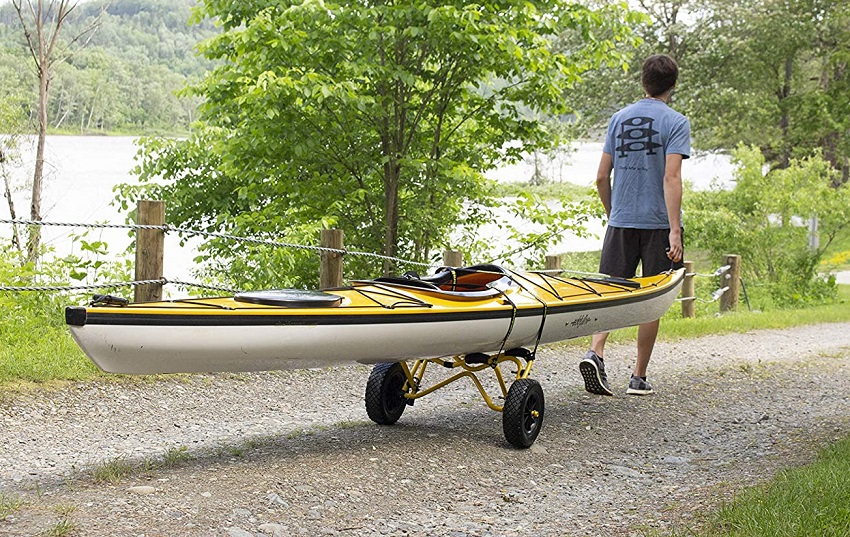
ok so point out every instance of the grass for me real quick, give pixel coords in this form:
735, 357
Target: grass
175, 456
113, 471
60, 529
549, 190
812, 500
676, 327
8, 505
35, 344
44, 357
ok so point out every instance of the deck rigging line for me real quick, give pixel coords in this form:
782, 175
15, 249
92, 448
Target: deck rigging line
406, 300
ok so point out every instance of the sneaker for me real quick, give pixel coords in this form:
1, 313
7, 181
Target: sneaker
639, 386
593, 370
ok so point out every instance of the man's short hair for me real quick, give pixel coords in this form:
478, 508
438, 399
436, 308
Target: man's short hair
659, 74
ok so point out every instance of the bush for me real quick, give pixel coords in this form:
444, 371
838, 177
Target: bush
35, 344
765, 218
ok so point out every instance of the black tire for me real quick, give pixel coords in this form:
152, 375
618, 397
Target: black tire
385, 399
522, 415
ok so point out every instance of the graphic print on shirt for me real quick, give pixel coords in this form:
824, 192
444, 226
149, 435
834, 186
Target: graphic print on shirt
636, 134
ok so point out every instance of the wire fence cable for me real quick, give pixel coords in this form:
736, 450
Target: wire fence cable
265, 242
194, 232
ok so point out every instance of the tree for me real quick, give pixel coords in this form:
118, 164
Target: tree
376, 117
42, 25
770, 73
764, 218
616, 83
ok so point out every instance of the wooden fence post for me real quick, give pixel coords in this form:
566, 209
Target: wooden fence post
330, 271
150, 247
731, 279
452, 258
553, 262
688, 294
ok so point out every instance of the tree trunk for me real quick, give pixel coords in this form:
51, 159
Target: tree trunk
784, 122
392, 171
62, 119
91, 110
35, 207
16, 238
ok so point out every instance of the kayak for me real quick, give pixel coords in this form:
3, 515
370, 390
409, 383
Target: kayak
457, 311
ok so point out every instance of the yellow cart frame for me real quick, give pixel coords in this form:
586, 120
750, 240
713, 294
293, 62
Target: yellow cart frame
393, 386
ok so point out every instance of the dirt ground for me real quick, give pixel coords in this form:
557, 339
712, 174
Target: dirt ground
293, 453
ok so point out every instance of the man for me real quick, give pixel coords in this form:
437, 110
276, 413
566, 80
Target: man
644, 147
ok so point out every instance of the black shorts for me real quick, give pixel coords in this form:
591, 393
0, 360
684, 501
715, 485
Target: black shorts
624, 248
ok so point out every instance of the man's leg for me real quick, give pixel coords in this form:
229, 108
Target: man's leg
620, 257
597, 343
647, 333
592, 367
654, 260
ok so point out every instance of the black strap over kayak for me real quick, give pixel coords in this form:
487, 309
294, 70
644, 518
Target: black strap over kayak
513, 277
513, 321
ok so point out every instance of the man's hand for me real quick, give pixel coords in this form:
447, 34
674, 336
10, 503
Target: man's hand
675, 251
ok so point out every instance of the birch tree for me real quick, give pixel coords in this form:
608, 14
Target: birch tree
42, 22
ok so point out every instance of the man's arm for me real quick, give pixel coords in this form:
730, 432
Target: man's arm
673, 200
603, 181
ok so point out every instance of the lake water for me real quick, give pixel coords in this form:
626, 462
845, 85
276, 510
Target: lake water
81, 172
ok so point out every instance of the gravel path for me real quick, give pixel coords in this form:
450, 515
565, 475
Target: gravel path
293, 453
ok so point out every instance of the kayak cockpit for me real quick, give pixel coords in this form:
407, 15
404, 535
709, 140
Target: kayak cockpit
478, 281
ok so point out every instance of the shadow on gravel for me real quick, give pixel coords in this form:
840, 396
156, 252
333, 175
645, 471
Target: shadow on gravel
469, 430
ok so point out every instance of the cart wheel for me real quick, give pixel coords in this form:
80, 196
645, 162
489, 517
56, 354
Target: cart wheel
385, 399
522, 415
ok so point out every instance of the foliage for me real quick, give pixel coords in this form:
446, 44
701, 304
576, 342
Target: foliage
773, 74
839, 257
768, 73
615, 83
764, 219
548, 223
125, 80
93, 264
13, 124
546, 191
34, 342
376, 119
522, 229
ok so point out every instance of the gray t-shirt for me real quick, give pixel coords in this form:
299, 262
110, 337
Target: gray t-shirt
640, 136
